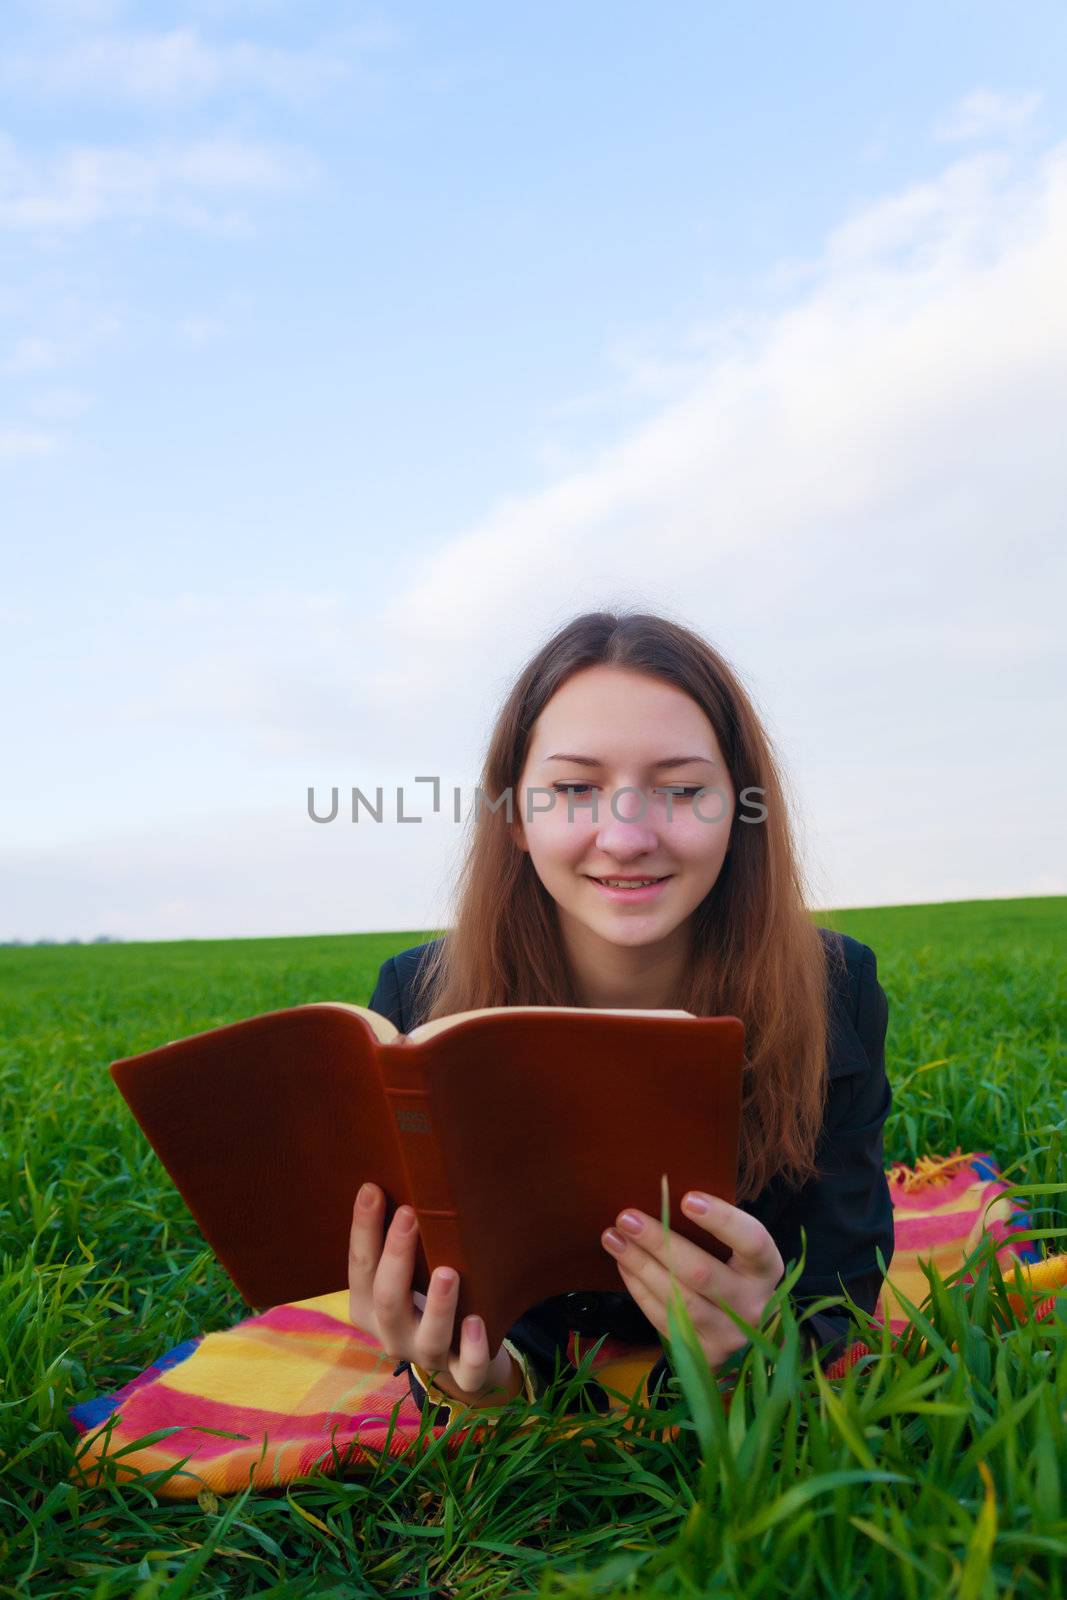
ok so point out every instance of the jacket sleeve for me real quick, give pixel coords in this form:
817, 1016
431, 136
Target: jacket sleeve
386, 997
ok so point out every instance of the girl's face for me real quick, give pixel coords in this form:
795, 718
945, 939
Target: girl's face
624, 739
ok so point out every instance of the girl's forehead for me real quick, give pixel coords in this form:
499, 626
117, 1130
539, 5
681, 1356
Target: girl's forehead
623, 715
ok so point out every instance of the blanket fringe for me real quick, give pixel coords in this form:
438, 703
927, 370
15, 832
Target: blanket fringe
928, 1172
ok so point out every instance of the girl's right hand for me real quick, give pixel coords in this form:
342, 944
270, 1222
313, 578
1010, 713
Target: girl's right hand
411, 1326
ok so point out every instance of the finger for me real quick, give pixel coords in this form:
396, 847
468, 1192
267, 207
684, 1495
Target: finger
693, 1264
436, 1326
752, 1250
650, 1284
701, 1276
364, 1250
653, 1304
394, 1309
471, 1371
711, 1323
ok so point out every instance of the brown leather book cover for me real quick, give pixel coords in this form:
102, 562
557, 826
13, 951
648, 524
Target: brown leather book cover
517, 1133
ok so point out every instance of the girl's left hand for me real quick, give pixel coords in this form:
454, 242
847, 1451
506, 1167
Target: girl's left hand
745, 1282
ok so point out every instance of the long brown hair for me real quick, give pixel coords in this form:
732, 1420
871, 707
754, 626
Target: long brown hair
755, 952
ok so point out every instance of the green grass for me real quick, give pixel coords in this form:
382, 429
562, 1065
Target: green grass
926, 1472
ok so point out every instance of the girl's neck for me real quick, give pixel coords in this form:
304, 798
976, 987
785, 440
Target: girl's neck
630, 977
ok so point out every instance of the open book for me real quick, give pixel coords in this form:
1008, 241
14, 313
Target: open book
516, 1132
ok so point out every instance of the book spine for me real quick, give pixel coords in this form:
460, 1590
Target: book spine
414, 1118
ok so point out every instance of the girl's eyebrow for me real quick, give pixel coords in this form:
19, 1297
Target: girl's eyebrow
668, 761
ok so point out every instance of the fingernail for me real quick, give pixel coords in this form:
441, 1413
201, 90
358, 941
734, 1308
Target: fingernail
405, 1219
445, 1277
631, 1222
613, 1240
696, 1204
472, 1327
365, 1197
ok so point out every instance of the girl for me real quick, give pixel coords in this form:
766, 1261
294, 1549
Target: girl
646, 860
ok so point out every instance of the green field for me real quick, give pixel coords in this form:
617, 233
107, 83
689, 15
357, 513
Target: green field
917, 1476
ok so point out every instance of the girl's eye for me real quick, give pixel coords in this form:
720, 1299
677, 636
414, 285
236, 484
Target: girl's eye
689, 791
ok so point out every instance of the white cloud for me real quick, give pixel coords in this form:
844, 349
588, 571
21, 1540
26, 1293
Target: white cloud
19, 442
984, 114
198, 330
181, 183
59, 404
180, 66
914, 383
166, 67
33, 354
75, 12
36, 354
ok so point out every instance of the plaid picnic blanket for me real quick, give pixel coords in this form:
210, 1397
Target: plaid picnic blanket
299, 1388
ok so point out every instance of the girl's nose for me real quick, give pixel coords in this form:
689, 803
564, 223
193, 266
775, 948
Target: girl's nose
629, 834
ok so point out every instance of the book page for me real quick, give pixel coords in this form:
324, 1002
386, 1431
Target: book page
426, 1030
383, 1030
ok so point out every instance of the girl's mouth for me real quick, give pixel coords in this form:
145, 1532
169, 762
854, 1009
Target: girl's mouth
631, 890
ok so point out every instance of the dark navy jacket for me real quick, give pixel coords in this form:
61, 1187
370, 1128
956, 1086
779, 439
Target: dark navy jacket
846, 1212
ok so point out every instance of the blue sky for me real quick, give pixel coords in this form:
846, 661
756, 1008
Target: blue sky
345, 352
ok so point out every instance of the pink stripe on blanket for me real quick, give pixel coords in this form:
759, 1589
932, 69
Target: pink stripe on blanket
915, 1233
160, 1407
297, 1319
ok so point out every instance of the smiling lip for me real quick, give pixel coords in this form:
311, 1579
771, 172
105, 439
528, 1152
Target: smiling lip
635, 896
